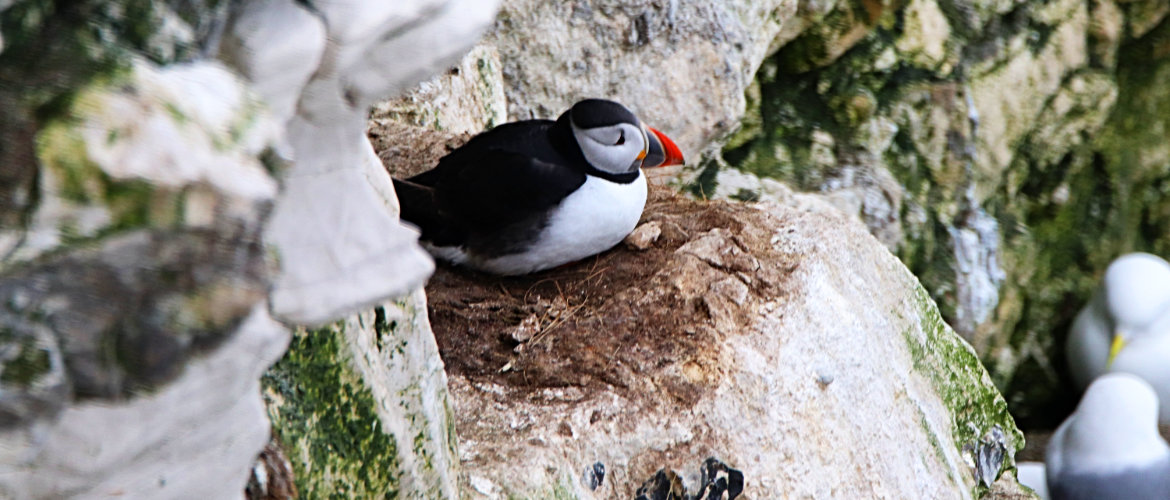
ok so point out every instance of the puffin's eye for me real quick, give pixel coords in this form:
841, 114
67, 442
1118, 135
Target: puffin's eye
621, 138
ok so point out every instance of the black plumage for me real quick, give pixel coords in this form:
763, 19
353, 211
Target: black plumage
492, 195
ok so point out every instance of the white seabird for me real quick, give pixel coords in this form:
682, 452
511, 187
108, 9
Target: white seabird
1125, 327
1109, 448
1034, 476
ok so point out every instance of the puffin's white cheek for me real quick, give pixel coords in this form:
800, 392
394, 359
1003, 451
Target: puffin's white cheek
605, 150
614, 159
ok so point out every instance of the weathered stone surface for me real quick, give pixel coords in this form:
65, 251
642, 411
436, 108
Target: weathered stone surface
276, 45
681, 67
131, 267
119, 327
741, 318
342, 248
50, 53
1010, 95
159, 148
1144, 15
467, 98
152, 185
644, 236
142, 177
831, 29
147, 446
334, 260
127, 284
334, 226
429, 35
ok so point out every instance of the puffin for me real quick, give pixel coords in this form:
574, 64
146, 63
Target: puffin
532, 195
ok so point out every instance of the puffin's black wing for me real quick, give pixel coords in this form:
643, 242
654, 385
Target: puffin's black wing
502, 187
419, 207
482, 193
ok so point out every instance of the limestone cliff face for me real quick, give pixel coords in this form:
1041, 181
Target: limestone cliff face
189, 181
780, 339
681, 66
788, 344
658, 399
1005, 151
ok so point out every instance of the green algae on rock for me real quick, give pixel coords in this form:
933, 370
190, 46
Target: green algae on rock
64, 47
323, 415
955, 372
144, 148
361, 411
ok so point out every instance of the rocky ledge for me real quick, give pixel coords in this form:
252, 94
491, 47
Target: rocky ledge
781, 339
790, 345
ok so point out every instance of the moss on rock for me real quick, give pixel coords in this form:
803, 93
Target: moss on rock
957, 376
325, 417
129, 203
1104, 195
24, 367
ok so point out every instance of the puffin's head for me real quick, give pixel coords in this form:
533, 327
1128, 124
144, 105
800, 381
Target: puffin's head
613, 140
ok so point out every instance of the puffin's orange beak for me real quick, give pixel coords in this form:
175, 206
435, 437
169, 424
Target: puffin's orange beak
661, 152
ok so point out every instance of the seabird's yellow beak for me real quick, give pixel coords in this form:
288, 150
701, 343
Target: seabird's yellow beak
1115, 348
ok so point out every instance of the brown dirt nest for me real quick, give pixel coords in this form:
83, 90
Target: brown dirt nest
591, 322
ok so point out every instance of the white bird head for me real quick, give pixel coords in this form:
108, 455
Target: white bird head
1137, 295
1114, 425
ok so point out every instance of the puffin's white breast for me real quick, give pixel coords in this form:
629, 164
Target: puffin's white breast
589, 221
